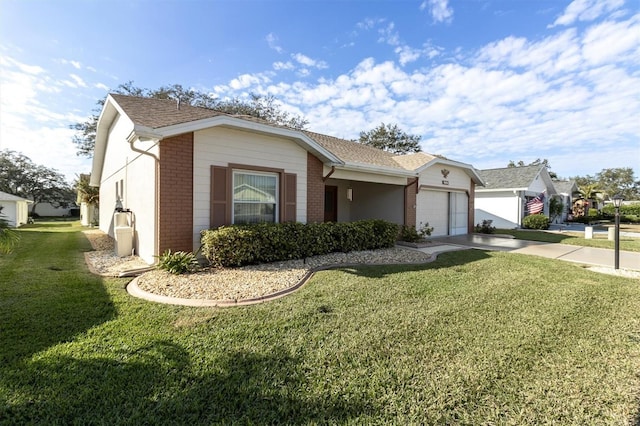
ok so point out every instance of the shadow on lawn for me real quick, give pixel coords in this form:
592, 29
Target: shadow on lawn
48, 300
158, 384
444, 260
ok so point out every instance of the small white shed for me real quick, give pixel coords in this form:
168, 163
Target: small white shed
15, 210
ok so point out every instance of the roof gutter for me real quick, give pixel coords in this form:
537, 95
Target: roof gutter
382, 170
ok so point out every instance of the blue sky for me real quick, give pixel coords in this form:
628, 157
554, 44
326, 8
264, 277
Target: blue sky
481, 81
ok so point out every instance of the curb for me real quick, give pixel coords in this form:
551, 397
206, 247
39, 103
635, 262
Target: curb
134, 290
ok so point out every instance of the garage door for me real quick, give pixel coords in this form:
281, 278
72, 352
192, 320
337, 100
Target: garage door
459, 213
446, 212
433, 207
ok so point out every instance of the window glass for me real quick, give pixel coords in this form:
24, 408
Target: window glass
255, 197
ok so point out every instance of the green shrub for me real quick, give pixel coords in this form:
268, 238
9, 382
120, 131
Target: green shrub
411, 234
178, 262
536, 221
239, 245
485, 227
625, 210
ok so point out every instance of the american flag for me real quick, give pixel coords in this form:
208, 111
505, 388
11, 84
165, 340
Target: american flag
536, 205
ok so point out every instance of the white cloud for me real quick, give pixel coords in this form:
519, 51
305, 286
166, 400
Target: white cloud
272, 41
389, 35
560, 97
78, 80
283, 66
439, 10
308, 62
611, 41
407, 54
586, 10
101, 86
30, 124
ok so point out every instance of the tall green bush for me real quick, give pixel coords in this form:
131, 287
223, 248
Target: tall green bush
239, 245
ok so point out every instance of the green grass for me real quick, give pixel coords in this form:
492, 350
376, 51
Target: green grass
473, 338
573, 238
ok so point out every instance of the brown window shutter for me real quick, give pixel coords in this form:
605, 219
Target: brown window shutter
289, 196
220, 203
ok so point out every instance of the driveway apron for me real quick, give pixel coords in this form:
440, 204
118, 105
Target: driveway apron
570, 253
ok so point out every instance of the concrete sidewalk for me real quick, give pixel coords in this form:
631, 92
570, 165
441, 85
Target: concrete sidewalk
584, 255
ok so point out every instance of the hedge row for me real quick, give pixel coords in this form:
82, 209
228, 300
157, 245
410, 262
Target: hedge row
625, 210
238, 245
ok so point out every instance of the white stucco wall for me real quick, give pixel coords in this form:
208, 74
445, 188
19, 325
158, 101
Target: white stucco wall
137, 174
502, 207
9, 212
222, 146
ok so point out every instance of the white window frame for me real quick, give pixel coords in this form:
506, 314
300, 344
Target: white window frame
255, 173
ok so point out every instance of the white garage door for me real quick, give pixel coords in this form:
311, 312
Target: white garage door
459, 209
433, 207
446, 212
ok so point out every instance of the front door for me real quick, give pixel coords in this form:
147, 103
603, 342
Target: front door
330, 203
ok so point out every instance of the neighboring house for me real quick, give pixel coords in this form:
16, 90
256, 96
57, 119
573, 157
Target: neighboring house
506, 192
179, 170
48, 209
15, 210
566, 190
88, 214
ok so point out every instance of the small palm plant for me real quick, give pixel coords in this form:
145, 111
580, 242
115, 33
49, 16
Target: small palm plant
179, 262
8, 237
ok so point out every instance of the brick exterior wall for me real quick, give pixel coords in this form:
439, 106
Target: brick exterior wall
315, 190
410, 200
175, 194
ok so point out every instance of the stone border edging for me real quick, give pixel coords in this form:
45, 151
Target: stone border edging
135, 291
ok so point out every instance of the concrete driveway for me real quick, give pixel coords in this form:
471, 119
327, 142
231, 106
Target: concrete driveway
585, 255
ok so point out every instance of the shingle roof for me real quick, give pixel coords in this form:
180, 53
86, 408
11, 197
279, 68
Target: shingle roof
10, 197
564, 186
509, 177
354, 152
158, 113
413, 161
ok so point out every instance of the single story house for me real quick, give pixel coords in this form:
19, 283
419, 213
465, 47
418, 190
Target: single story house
15, 210
507, 192
566, 190
177, 170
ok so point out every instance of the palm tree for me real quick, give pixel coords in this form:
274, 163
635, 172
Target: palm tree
8, 237
87, 193
591, 192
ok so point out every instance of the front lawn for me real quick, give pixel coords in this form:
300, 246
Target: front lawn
574, 238
473, 338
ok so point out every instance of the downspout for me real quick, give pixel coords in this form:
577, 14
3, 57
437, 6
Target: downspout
131, 139
333, 169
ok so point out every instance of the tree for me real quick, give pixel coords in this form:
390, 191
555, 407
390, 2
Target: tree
556, 208
20, 176
390, 138
87, 193
591, 193
536, 162
619, 181
262, 107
